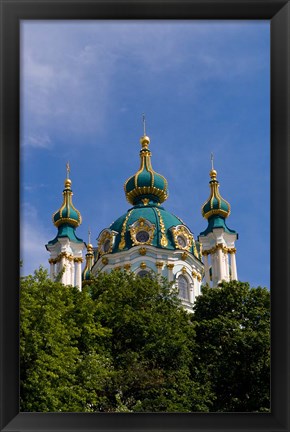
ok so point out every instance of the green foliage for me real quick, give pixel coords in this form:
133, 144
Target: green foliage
232, 324
125, 344
61, 357
151, 344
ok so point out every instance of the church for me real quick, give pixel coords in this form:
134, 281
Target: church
148, 238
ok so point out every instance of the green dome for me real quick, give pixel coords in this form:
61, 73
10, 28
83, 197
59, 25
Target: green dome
215, 205
146, 185
152, 225
67, 214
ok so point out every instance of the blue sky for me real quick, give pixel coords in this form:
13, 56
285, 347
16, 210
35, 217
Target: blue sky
203, 86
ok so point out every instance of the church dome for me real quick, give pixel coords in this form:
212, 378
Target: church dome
215, 205
147, 223
67, 214
146, 185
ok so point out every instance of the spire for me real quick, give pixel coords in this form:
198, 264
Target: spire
146, 185
67, 214
87, 274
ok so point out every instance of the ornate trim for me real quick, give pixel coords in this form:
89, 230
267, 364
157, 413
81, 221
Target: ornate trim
122, 243
217, 247
159, 264
182, 231
170, 266
163, 241
143, 265
142, 251
106, 235
146, 190
142, 225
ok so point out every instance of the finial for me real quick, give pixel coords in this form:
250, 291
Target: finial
67, 183
144, 140
89, 233
213, 172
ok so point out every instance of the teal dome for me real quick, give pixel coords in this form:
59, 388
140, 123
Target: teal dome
67, 214
146, 185
152, 225
215, 205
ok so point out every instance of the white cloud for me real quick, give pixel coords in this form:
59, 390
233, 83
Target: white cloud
38, 141
33, 238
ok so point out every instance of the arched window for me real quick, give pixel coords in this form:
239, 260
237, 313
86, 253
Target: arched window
183, 287
144, 273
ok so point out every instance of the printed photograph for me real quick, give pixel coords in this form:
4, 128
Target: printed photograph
145, 216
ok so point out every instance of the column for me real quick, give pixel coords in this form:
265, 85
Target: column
170, 271
234, 265
221, 264
78, 279
206, 267
51, 274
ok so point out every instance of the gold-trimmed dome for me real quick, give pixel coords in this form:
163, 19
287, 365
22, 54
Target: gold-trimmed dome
146, 185
215, 204
67, 214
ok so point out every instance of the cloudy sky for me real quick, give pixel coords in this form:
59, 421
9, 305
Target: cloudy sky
203, 86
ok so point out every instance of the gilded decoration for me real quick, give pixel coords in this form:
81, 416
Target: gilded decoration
182, 238
163, 241
69, 257
170, 266
142, 251
159, 264
143, 265
105, 243
127, 266
105, 260
122, 243
146, 190
184, 255
142, 232
78, 260
217, 247
184, 270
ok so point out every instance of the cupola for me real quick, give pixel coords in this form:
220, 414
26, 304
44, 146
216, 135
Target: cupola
146, 186
215, 205
67, 214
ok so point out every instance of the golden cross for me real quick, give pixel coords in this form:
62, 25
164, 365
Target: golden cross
211, 158
144, 129
67, 170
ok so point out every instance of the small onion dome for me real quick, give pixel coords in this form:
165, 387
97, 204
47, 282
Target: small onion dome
87, 274
146, 185
67, 214
215, 205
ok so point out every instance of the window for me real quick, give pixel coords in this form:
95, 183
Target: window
183, 287
142, 236
144, 273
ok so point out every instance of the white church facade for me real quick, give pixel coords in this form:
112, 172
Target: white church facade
147, 238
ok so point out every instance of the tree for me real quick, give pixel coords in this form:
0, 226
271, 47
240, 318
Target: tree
125, 344
63, 366
151, 344
232, 324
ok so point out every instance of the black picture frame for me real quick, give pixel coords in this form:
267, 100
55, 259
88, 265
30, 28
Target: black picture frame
278, 12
